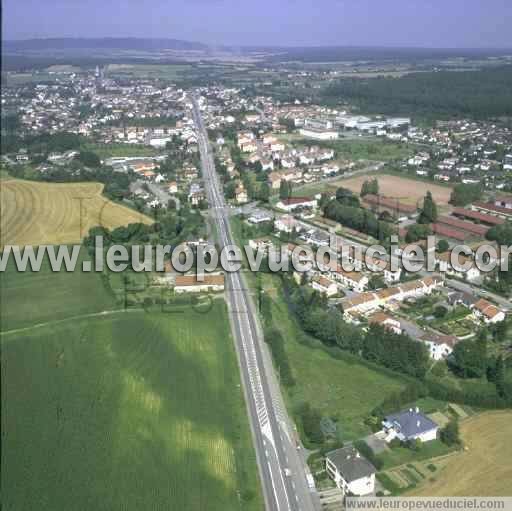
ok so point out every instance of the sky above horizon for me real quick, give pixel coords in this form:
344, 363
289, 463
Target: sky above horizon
413, 23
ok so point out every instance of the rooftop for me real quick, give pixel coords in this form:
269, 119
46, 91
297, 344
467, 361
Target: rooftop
350, 464
411, 422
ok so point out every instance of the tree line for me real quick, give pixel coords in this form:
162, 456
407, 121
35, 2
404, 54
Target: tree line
397, 352
346, 209
431, 95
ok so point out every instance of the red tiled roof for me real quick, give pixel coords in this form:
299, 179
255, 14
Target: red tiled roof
476, 215
208, 280
479, 230
296, 200
487, 308
491, 207
449, 232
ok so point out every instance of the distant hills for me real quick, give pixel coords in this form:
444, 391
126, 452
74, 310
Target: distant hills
106, 43
21, 54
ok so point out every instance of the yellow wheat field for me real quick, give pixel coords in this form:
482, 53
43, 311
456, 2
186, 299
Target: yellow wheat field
35, 213
485, 467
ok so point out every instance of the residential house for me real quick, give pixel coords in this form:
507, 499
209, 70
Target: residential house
352, 473
410, 425
352, 279
293, 203
464, 268
259, 216
274, 180
324, 286
241, 196
191, 283
319, 133
286, 223
487, 312
263, 244
439, 346
386, 321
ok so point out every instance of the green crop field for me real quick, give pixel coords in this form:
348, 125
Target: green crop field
28, 298
124, 410
130, 411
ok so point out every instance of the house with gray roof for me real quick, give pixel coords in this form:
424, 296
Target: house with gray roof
353, 474
410, 424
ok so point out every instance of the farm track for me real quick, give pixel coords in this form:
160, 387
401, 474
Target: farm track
65, 320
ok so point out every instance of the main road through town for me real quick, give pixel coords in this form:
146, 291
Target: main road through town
281, 467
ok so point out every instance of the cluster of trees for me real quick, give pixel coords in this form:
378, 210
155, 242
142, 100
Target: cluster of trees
370, 186
472, 360
44, 143
170, 227
502, 235
470, 357
397, 352
285, 189
417, 232
432, 95
310, 421
241, 165
346, 210
275, 341
450, 433
378, 345
428, 213
289, 124
89, 159
463, 194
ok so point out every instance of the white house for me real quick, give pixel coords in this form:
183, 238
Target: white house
296, 202
487, 312
352, 279
439, 346
458, 269
191, 284
386, 321
351, 473
409, 425
319, 134
263, 244
259, 216
286, 223
324, 285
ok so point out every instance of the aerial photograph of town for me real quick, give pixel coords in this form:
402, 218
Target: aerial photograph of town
256, 256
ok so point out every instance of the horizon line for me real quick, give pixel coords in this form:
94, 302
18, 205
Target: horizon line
259, 46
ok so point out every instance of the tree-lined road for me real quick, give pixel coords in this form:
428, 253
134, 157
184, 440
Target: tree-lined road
282, 469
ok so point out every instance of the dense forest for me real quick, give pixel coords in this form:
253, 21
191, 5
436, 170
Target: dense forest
443, 94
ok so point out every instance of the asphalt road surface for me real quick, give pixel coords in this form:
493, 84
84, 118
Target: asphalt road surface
281, 465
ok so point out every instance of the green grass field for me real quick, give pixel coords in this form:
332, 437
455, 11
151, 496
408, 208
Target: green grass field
155, 71
354, 149
122, 411
343, 388
28, 298
120, 150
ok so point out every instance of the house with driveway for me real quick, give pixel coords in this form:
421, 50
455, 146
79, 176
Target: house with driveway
408, 425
